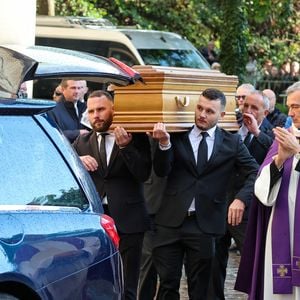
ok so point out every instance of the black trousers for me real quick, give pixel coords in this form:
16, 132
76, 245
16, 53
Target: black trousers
171, 247
220, 261
148, 274
131, 251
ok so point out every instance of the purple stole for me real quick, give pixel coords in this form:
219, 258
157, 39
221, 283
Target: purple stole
286, 268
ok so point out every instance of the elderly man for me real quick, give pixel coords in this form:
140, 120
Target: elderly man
275, 116
256, 132
270, 267
240, 95
68, 111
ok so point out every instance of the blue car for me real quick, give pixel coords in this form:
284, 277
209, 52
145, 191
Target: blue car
55, 241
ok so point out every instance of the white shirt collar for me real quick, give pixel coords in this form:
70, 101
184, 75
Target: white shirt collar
196, 131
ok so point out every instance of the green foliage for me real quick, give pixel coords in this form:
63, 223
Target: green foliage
78, 8
282, 107
275, 30
233, 38
269, 29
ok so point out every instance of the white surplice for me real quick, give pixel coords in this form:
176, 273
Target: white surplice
261, 188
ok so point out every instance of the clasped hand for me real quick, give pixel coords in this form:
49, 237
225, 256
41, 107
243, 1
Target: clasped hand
288, 145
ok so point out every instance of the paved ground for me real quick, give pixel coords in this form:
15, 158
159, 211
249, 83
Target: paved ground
230, 293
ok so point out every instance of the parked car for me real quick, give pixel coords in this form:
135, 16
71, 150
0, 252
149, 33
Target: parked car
55, 241
100, 37
131, 46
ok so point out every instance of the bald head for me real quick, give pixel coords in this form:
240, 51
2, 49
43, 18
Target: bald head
272, 98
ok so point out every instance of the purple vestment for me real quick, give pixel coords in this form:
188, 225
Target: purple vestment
250, 277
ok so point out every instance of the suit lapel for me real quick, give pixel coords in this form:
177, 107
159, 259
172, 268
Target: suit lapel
188, 152
217, 145
265, 127
114, 154
94, 145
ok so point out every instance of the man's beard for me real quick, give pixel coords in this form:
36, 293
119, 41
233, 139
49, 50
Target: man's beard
104, 127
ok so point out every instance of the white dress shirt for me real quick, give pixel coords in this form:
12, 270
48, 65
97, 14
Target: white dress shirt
195, 138
109, 144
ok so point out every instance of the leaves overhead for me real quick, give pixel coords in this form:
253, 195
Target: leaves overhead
269, 29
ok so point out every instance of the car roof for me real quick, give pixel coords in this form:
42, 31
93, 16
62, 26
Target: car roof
24, 107
154, 39
21, 64
140, 38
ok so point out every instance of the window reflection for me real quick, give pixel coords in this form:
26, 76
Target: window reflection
32, 170
173, 58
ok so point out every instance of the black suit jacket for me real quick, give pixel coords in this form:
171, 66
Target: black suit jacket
64, 115
208, 187
154, 187
123, 180
259, 146
277, 118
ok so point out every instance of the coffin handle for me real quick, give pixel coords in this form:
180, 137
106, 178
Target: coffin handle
182, 102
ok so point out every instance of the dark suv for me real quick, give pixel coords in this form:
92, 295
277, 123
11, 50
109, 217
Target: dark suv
55, 241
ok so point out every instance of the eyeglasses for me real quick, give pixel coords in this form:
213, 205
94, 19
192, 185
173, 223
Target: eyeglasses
237, 97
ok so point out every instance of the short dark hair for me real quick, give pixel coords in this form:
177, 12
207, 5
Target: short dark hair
215, 94
100, 93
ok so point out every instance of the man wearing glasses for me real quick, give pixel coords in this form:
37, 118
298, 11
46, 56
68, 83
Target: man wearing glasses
257, 135
242, 91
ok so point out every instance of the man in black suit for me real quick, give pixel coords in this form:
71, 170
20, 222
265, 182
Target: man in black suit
275, 116
198, 164
256, 132
69, 109
119, 162
153, 192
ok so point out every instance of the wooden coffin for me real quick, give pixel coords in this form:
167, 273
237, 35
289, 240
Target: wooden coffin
169, 95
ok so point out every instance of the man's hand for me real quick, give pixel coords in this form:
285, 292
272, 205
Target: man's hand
122, 137
89, 162
235, 212
251, 123
160, 133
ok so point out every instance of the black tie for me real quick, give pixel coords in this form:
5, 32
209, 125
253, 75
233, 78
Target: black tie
202, 152
103, 150
247, 139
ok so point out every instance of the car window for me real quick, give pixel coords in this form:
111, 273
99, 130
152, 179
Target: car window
32, 170
173, 58
94, 47
104, 48
123, 55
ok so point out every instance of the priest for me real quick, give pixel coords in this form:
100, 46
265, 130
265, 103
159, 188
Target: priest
270, 264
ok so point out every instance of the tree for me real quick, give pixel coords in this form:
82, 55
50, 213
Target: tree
46, 7
275, 29
233, 38
270, 29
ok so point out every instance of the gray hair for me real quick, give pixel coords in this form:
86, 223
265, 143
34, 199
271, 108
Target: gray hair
247, 86
293, 88
266, 101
